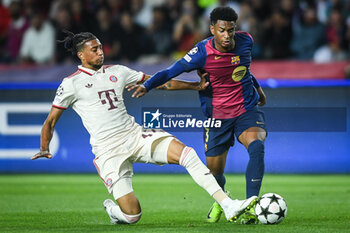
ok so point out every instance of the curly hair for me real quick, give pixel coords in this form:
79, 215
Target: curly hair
223, 13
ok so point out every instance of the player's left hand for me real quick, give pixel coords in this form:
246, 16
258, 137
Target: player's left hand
139, 92
42, 154
262, 99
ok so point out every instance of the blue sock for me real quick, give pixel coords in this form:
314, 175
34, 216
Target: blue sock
220, 178
255, 169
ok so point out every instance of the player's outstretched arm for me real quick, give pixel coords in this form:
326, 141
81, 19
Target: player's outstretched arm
172, 85
158, 79
182, 85
47, 132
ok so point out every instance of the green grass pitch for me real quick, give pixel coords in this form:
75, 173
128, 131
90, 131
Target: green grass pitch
170, 203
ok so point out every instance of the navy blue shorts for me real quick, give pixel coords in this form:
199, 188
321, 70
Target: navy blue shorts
219, 140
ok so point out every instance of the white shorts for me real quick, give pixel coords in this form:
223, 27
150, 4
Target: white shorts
115, 167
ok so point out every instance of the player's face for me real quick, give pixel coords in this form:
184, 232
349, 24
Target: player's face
92, 54
223, 32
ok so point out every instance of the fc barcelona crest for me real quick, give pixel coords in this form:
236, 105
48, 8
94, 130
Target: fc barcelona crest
235, 60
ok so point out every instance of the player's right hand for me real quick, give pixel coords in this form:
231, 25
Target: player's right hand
139, 92
42, 154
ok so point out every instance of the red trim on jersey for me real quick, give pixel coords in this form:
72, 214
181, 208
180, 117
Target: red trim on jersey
143, 77
75, 73
59, 107
85, 72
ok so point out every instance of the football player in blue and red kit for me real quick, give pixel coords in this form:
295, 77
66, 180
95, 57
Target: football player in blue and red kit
231, 93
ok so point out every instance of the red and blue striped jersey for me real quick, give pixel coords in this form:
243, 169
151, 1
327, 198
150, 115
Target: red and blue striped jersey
231, 91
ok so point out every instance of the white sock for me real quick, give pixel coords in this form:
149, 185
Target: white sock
199, 172
124, 218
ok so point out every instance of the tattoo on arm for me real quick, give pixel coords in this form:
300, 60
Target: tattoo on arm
163, 87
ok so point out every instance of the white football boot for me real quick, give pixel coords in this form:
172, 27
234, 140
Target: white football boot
108, 204
235, 208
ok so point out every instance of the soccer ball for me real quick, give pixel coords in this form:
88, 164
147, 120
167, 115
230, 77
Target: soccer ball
271, 208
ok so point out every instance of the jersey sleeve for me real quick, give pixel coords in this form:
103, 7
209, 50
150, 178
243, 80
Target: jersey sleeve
251, 40
195, 58
133, 76
64, 95
247, 38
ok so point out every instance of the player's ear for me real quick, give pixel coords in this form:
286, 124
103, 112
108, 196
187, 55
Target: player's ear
80, 55
212, 29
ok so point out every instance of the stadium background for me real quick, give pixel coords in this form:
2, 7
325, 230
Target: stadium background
300, 57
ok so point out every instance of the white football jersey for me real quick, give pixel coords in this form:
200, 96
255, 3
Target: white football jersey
97, 97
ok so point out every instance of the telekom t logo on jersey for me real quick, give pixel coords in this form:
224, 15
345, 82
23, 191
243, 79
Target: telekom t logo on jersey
110, 96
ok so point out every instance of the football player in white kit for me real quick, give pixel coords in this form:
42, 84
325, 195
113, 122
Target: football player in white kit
95, 92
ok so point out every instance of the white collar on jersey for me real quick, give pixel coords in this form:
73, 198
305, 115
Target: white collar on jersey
90, 71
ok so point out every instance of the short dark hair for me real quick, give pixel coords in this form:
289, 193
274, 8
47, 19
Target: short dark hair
75, 42
223, 13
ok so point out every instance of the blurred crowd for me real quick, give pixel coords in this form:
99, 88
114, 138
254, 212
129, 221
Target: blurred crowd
150, 31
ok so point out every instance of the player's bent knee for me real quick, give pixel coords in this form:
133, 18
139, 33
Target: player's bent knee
125, 197
129, 204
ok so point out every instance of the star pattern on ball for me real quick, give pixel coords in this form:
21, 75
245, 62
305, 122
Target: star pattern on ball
274, 198
265, 211
281, 213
